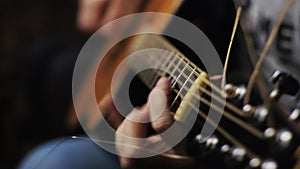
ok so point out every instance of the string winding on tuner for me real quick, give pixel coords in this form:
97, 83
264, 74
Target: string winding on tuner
234, 91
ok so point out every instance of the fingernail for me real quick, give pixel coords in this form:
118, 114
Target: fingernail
161, 82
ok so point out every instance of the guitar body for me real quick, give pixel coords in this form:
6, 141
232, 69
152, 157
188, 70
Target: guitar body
216, 22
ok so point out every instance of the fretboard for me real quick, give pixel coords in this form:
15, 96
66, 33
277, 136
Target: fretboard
168, 61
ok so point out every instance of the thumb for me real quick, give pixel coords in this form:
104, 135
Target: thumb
160, 115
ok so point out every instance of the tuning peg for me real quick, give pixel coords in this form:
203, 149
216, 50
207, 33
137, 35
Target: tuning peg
225, 148
235, 91
212, 142
295, 115
270, 132
269, 164
284, 137
284, 84
200, 139
209, 143
254, 162
258, 113
238, 154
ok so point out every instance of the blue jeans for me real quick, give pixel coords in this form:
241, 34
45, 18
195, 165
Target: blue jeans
69, 153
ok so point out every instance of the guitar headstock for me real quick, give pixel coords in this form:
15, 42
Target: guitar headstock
262, 134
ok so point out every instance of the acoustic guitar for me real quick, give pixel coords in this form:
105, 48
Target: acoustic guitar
263, 133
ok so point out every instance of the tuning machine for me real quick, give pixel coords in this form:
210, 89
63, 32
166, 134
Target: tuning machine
295, 115
266, 164
233, 91
258, 113
284, 84
283, 137
210, 143
269, 164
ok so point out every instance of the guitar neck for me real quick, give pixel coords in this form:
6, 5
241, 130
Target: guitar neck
167, 60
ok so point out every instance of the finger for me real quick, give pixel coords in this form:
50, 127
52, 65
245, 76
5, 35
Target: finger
132, 126
90, 14
109, 112
131, 129
158, 105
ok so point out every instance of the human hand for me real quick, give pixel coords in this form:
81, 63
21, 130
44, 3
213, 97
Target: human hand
156, 111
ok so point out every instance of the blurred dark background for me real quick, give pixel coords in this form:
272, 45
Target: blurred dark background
39, 44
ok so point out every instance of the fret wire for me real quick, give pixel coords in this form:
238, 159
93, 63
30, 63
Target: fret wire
170, 54
220, 129
164, 64
149, 83
172, 48
145, 75
155, 77
174, 89
181, 89
193, 70
170, 64
175, 67
244, 125
223, 132
148, 73
143, 38
227, 114
227, 104
180, 74
191, 66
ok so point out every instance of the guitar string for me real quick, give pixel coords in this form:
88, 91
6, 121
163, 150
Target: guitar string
238, 121
237, 18
220, 129
197, 72
193, 71
115, 143
219, 100
224, 77
251, 154
184, 86
148, 74
265, 50
207, 92
224, 133
225, 68
260, 82
228, 105
242, 124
